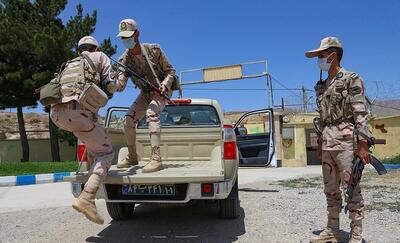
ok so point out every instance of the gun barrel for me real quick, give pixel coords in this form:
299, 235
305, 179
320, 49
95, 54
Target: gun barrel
379, 141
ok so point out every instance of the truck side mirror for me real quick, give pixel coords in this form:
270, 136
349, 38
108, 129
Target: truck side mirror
242, 130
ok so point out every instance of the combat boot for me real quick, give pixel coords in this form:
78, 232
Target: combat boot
85, 202
155, 161
355, 233
130, 159
329, 234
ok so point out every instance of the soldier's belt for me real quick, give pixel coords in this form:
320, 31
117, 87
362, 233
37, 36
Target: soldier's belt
337, 122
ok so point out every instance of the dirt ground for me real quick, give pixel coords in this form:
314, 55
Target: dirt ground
271, 211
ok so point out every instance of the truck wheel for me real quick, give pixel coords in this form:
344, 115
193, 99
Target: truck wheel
120, 211
229, 207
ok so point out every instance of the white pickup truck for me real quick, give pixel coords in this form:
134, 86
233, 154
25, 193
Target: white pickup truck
201, 152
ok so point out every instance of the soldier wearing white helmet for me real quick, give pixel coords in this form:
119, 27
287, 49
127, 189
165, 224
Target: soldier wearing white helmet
92, 68
150, 62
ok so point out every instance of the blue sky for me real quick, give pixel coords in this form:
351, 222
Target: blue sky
205, 33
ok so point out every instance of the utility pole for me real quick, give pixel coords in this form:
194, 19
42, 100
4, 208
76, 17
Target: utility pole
304, 92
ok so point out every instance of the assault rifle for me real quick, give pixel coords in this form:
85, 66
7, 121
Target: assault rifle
358, 165
132, 74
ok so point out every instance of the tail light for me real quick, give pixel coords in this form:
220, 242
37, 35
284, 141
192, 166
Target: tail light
229, 143
82, 154
181, 101
207, 189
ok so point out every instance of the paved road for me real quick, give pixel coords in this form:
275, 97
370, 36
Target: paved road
42, 213
59, 194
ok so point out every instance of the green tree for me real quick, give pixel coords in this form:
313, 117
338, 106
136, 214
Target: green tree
33, 43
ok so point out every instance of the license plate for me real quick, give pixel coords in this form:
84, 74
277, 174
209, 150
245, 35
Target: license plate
152, 190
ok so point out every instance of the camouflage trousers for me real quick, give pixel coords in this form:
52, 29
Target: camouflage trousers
336, 169
150, 104
83, 124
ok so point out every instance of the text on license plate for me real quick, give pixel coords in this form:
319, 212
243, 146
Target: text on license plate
156, 190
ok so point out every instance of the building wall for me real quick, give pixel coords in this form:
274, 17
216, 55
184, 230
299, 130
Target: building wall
387, 128
294, 149
295, 152
11, 150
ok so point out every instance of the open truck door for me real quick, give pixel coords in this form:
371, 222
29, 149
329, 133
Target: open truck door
255, 137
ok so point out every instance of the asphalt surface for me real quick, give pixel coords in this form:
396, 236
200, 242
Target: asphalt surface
269, 213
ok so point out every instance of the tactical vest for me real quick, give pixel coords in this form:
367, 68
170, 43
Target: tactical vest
77, 73
334, 100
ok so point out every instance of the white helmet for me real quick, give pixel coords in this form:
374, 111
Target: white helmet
88, 40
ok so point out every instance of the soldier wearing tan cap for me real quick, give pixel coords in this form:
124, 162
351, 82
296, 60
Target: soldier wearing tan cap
150, 62
342, 107
91, 67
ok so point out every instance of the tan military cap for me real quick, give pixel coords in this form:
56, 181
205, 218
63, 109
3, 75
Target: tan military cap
88, 40
127, 28
326, 43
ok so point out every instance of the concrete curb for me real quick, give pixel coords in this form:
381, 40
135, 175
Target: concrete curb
22, 180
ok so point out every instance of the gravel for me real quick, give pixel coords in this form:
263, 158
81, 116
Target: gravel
271, 211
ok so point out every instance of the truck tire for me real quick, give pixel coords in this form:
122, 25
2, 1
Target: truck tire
120, 211
229, 207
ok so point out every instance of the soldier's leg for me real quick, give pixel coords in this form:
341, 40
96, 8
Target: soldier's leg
153, 118
97, 143
332, 192
132, 117
356, 205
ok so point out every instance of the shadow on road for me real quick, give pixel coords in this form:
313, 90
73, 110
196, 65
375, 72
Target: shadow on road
256, 190
345, 235
197, 222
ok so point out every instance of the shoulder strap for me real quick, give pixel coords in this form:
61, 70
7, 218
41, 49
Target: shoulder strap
144, 51
87, 58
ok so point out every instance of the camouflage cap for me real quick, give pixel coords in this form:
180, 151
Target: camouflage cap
88, 40
127, 28
326, 43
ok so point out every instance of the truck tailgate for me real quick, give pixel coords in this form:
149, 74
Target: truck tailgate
173, 172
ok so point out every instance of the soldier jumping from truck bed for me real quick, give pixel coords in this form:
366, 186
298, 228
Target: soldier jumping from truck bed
71, 114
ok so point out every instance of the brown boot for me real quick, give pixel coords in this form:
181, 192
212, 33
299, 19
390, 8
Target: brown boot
130, 159
155, 161
355, 232
85, 202
329, 234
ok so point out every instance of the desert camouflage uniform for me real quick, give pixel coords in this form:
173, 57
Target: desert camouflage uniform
71, 116
148, 103
342, 107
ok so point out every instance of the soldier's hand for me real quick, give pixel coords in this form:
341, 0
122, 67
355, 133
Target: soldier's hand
363, 152
163, 89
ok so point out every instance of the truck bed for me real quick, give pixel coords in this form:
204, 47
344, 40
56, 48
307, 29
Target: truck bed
174, 171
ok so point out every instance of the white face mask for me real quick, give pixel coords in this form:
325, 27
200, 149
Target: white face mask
129, 43
323, 64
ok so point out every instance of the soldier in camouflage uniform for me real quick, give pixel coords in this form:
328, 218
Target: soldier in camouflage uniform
70, 115
149, 103
342, 107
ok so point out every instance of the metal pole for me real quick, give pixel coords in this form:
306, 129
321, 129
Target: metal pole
303, 90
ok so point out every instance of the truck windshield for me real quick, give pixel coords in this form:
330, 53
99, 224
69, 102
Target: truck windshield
186, 115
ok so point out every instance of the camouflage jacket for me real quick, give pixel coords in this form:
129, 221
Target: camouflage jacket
163, 69
342, 106
74, 77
